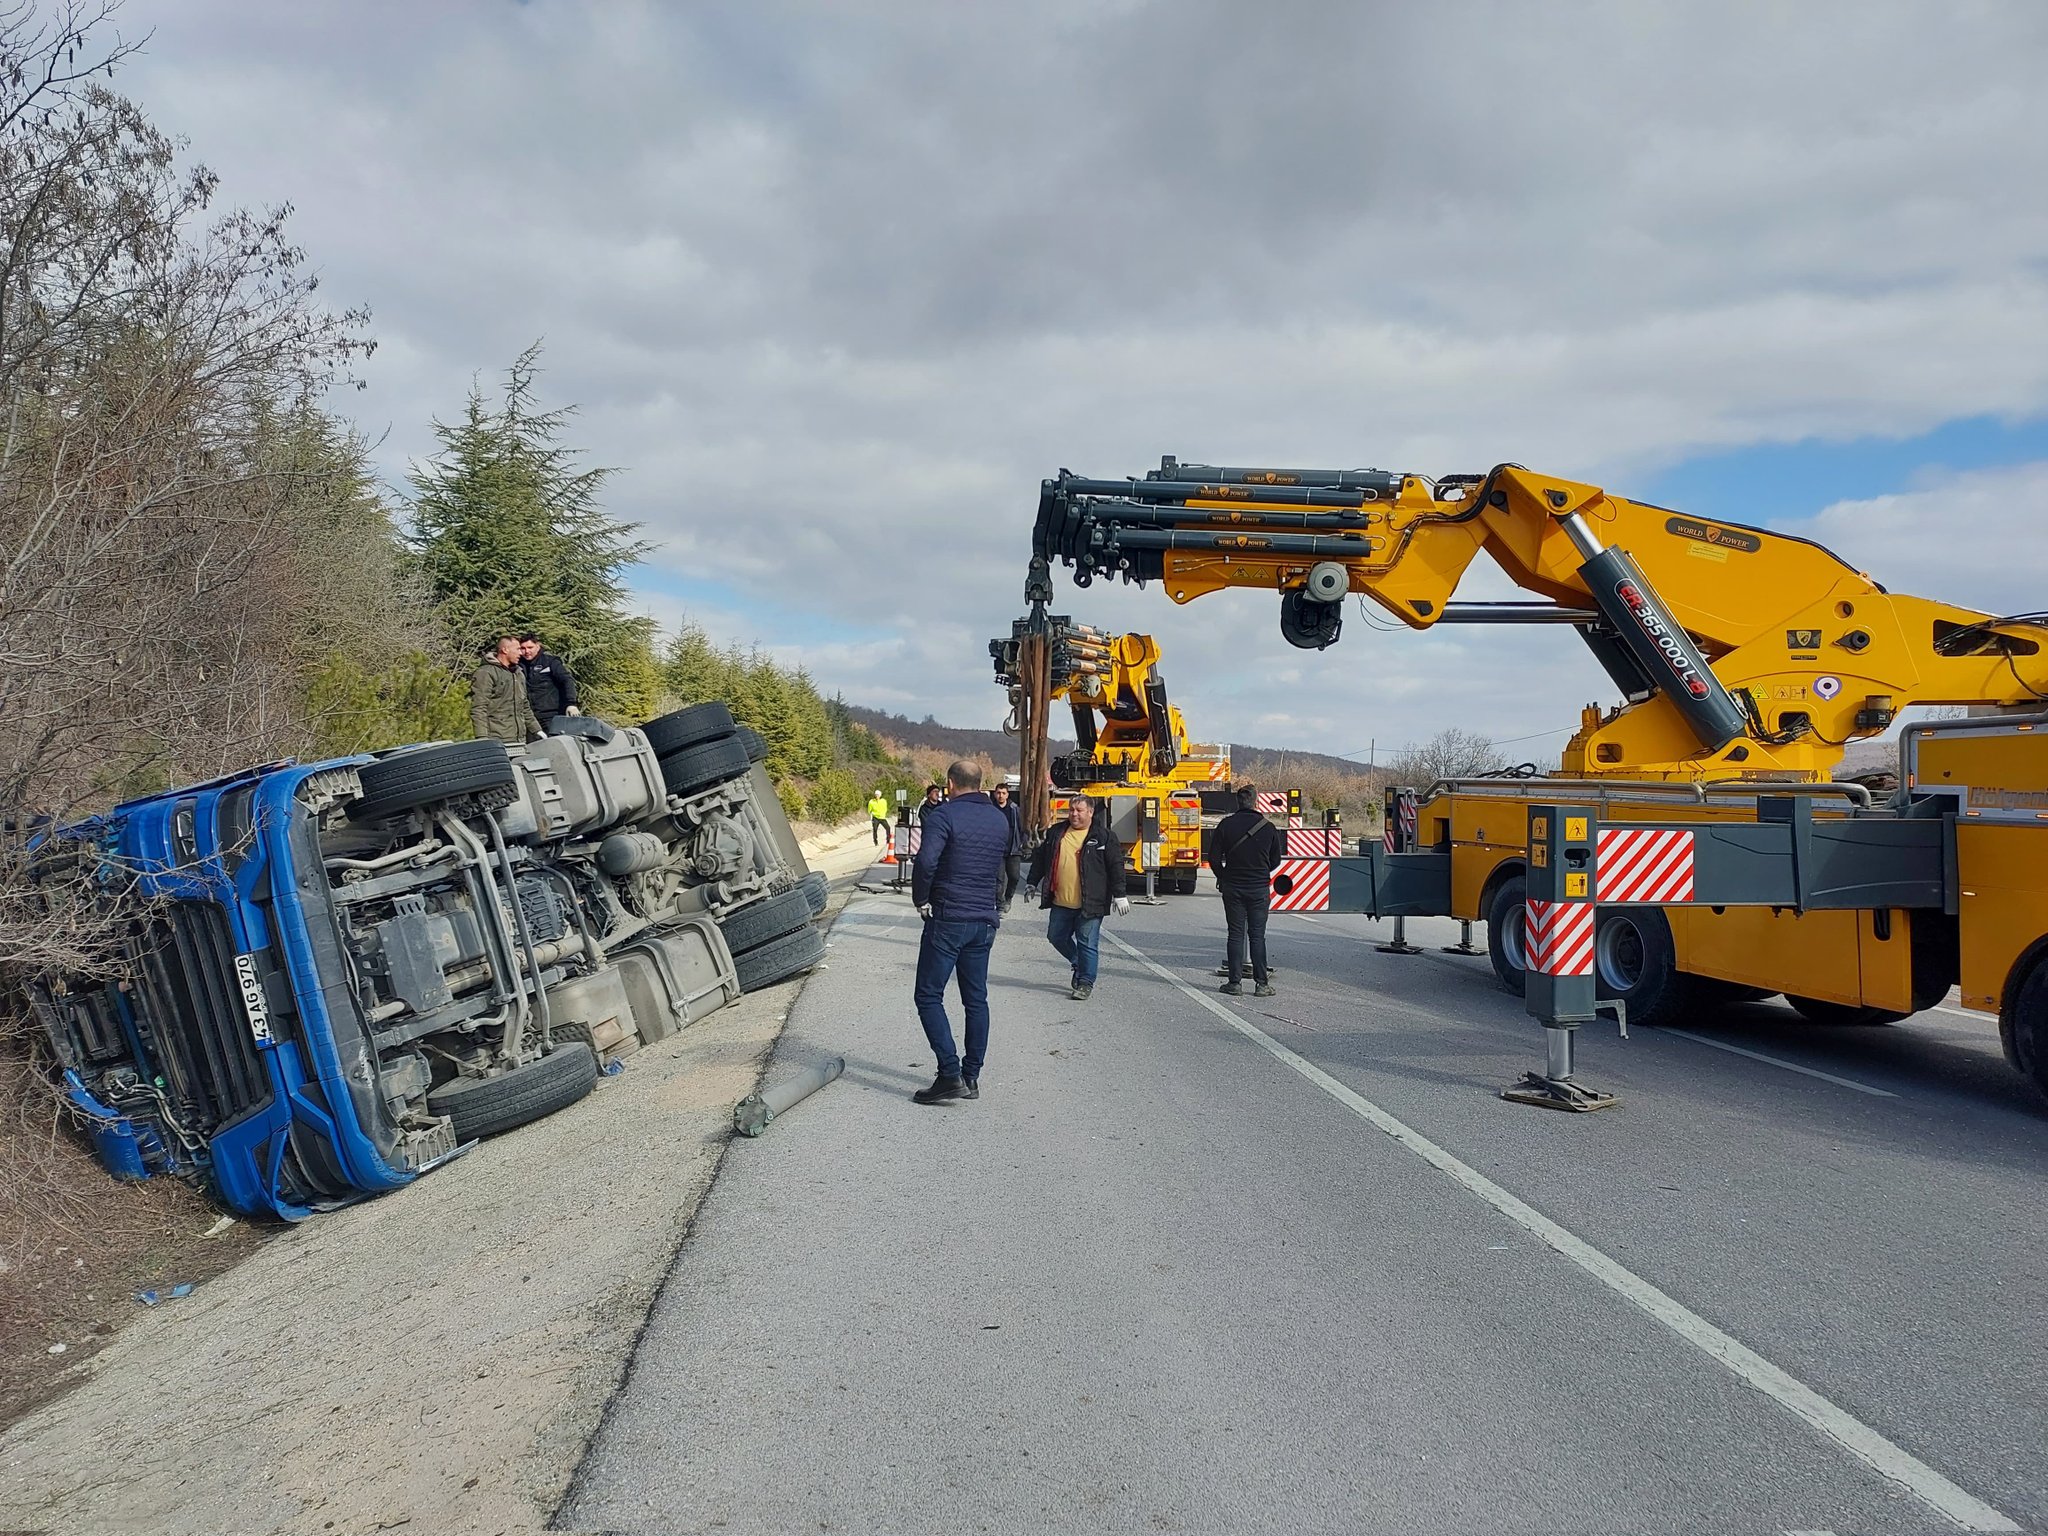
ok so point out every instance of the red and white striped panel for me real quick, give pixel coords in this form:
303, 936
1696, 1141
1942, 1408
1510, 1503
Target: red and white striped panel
1219, 770
1272, 801
1558, 936
1315, 842
908, 841
1645, 864
1308, 883
1406, 816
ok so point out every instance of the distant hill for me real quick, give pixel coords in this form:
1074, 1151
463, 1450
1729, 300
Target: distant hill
953, 740
1275, 764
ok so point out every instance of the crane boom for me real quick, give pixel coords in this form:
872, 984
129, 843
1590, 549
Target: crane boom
1741, 653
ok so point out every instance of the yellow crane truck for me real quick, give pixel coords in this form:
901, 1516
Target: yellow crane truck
1746, 660
1132, 743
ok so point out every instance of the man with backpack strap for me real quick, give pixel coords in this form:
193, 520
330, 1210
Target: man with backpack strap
1243, 853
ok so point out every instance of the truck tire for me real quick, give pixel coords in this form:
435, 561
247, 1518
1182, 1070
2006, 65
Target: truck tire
1506, 934
779, 959
1634, 960
1837, 1015
484, 1106
1635, 963
815, 888
752, 926
688, 728
412, 779
2023, 1026
699, 767
755, 743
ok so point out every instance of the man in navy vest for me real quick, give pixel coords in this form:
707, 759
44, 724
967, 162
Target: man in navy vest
955, 883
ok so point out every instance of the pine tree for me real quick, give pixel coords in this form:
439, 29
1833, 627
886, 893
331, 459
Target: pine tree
509, 535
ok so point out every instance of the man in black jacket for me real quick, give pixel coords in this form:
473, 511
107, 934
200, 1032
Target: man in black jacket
549, 687
1079, 872
1243, 853
954, 883
1013, 866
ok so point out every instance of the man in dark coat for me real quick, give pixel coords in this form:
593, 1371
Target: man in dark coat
1243, 853
497, 698
934, 797
1079, 873
954, 883
549, 687
1013, 866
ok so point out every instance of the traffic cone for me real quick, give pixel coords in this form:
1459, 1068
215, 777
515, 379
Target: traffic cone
890, 856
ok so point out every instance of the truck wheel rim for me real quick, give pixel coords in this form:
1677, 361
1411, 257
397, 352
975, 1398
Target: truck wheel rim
1513, 931
1618, 952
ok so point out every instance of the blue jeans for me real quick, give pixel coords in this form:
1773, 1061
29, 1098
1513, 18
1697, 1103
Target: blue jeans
948, 949
1076, 937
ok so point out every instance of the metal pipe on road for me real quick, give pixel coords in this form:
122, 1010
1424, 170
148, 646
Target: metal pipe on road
751, 1116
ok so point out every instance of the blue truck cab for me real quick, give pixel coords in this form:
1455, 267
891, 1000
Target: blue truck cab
322, 979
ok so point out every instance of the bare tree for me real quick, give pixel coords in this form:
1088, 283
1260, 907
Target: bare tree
158, 368
1449, 754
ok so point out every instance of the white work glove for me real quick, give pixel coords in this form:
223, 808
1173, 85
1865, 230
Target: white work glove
1121, 906
572, 710
924, 910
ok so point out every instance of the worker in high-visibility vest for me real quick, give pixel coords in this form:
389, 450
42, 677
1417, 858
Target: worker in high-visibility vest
878, 816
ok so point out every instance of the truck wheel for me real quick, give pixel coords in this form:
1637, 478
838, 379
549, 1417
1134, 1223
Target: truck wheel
755, 743
815, 888
1635, 962
2023, 1027
1816, 1011
411, 779
752, 926
779, 959
1506, 934
484, 1106
688, 728
699, 767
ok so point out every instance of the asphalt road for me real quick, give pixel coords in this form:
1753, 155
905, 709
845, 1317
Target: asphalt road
1289, 1265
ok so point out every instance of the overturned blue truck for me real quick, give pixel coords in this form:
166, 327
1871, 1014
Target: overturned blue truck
329, 977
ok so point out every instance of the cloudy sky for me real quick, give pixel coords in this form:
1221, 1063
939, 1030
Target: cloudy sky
836, 284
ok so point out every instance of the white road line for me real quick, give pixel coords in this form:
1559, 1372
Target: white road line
1847, 1431
1777, 1061
1964, 1013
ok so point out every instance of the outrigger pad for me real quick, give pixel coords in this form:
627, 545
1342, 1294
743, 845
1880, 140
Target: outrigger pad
1558, 1093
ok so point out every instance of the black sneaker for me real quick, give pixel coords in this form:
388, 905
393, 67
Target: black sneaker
1264, 989
1080, 990
1232, 989
942, 1091
970, 1088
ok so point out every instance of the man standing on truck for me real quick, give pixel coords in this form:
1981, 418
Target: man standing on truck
498, 705
550, 688
1243, 855
953, 883
1079, 869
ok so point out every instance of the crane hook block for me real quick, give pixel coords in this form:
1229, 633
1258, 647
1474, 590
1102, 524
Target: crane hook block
1308, 624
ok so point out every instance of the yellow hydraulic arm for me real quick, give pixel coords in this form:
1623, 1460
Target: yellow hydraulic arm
1740, 653
1126, 727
